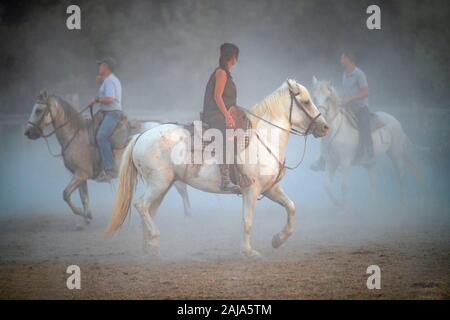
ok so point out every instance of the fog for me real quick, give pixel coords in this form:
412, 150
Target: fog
166, 53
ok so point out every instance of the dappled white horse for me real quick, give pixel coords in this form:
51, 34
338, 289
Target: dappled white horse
340, 147
151, 156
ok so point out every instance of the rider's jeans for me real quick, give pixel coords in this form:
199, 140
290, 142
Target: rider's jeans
107, 127
363, 116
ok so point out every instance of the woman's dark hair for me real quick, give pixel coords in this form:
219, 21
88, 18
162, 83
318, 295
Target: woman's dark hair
227, 51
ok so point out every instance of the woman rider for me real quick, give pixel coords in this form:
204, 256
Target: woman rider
220, 95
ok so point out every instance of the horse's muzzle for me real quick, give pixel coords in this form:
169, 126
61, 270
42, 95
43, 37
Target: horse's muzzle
32, 132
320, 129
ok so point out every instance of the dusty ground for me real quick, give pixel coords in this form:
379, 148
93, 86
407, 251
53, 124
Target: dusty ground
327, 257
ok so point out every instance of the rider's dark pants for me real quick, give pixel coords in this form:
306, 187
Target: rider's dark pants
217, 121
363, 116
104, 132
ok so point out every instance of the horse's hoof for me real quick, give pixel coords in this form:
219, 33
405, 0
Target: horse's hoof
152, 250
79, 227
250, 253
88, 219
276, 241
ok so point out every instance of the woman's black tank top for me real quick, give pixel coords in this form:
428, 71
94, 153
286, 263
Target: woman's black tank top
229, 95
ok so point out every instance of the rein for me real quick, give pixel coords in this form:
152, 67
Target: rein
55, 129
290, 130
282, 165
339, 111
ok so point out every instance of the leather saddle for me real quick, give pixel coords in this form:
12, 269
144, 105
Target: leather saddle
375, 121
119, 138
241, 123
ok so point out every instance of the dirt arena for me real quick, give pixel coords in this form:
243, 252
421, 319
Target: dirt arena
327, 257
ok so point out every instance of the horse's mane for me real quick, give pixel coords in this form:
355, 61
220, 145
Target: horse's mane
334, 97
71, 114
269, 105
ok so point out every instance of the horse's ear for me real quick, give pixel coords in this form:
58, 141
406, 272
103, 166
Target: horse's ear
329, 84
293, 86
314, 81
43, 95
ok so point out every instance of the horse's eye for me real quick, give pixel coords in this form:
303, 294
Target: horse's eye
38, 111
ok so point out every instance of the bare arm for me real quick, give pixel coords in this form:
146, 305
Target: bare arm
221, 79
106, 100
103, 100
363, 93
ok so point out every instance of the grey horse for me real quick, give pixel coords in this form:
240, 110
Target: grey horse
76, 135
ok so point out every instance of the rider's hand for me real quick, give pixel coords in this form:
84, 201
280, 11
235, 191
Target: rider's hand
93, 102
229, 120
98, 80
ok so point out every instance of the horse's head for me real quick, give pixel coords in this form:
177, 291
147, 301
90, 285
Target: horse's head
323, 93
303, 113
40, 117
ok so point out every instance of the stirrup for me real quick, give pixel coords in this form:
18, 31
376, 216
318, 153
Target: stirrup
245, 181
104, 176
226, 183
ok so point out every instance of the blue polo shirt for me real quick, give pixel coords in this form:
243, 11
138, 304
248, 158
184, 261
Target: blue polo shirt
352, 83
111, 87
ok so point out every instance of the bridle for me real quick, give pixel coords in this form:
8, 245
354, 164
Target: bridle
37, 125
330, 120
55, 129
282, 165
291, 107
301, 107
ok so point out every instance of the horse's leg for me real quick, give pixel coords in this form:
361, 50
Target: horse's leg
147, 205
373, 182
84, 195
71, 187
182, 190
331, 171
346, 170
278, 195
139, 205
249, 198
397, 159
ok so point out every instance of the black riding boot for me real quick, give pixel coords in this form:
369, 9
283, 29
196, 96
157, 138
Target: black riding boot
226, 184
364, 130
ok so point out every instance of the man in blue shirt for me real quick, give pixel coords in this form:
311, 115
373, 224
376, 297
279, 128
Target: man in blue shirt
355, 93
108, 101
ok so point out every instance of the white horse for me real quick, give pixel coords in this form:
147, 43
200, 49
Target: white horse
340, 147
151, 156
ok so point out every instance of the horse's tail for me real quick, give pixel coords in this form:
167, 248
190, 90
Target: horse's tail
127, 183
410, 164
